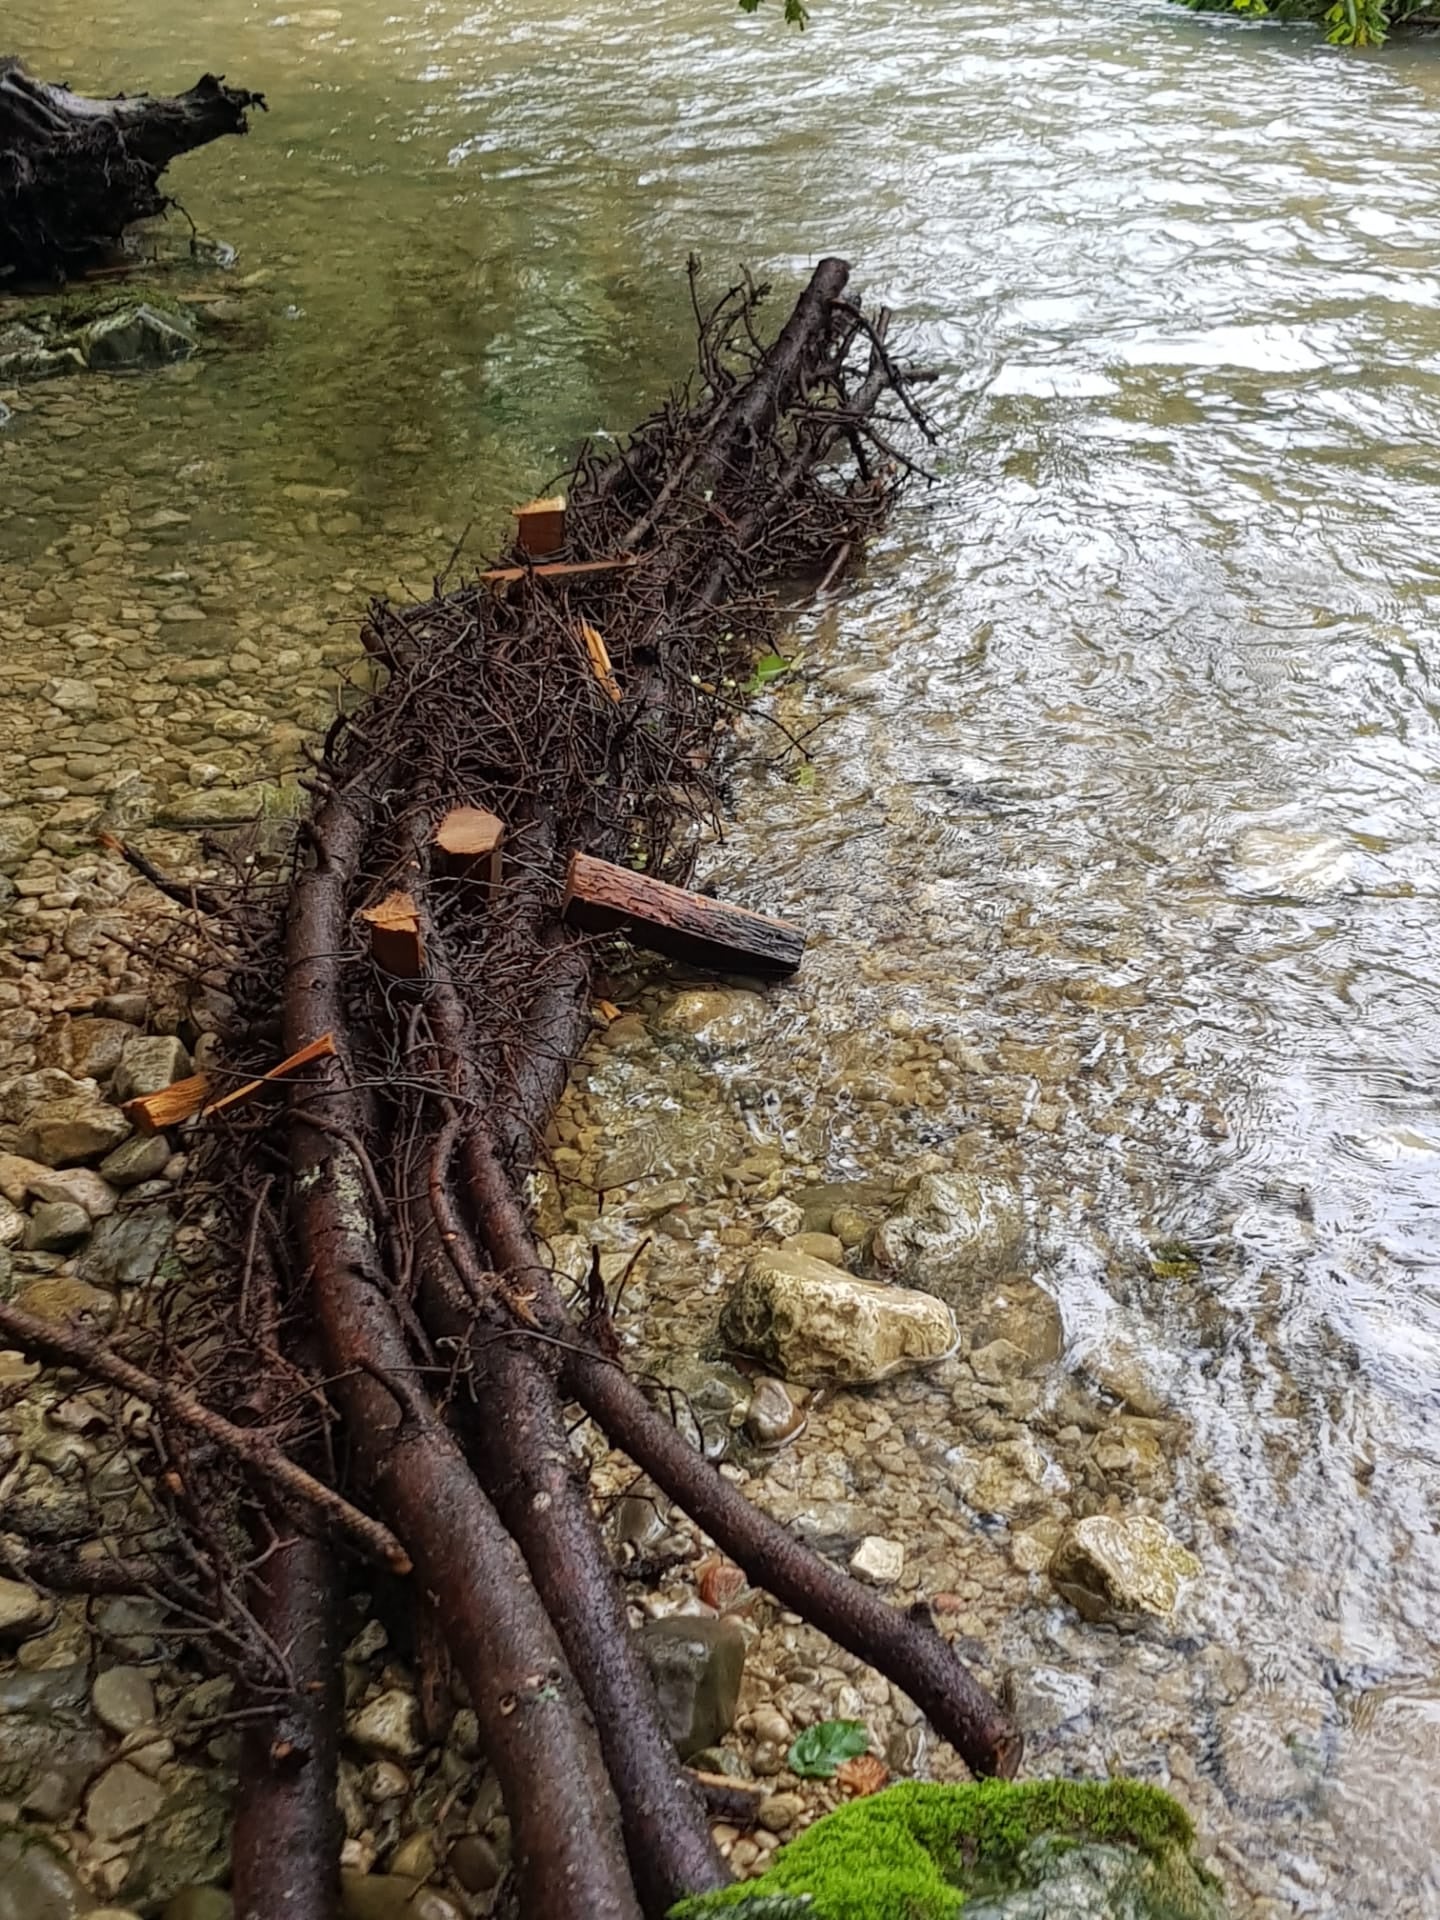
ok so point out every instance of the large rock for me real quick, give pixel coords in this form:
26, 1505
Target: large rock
697, 1663
57, 1226
123, 1800
718, 1020
812, 1323
144, 1156
1121, 1569
186, 1845
78, 1126
954, 1232
87, 1047
149, 1063
80, 1186
137, 337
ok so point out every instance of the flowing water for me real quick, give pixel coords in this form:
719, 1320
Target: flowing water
1120, 850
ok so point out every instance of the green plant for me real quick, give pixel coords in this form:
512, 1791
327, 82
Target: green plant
822, 1748
1347, 23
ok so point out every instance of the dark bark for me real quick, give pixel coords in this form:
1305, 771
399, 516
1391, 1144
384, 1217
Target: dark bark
534, 1723
286, 1844
76, 172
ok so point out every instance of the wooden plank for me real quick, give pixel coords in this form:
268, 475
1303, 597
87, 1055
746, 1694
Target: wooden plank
600, 659
395, 943
468, 842
540, 526
601, 898
559, 569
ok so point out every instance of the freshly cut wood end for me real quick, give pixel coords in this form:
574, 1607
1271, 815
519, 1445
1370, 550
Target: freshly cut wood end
540, 526
468, 841
395, 943
154, 1112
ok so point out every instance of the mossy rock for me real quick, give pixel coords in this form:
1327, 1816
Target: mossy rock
1038, 1850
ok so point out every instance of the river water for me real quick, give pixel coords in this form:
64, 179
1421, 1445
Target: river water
1129, 777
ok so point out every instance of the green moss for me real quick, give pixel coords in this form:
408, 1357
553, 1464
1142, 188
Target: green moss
913, 1852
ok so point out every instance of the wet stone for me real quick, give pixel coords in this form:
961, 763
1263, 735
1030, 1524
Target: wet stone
127, 1249
774, 1415
812, 1323
1118, 1569
474, 1863
23, 1611
877, 1561
953, 1233
1044, 1699
697, 1663
144, 1156
149, 1063
57, 1226
388, 1727
123, 1699
122, 1801
35, 1883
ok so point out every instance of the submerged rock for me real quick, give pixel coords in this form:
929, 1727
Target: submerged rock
812, 1323
134, 338
1118, 1570
1037, 1850
697, 1663
953, 1232
35, 1883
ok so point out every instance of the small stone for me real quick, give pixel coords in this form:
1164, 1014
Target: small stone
57, 1226
123, 1699
779, 1813
819, 1246
877, 1561
997, 1362
697, 1663
474, 1863
415, 1858
849, 1227
429, 1903
371, 1639
144, 1156
72, 696
383, 1780
389, 1727
1044, 1699
150, 1063
810, 1322
137, 336
23, 1611
78, 1187
1118, 1569
375, 1896
123, 1800
19, 837
16, 1174
773, 1416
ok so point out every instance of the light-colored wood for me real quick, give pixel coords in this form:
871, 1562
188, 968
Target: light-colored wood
540, 526
154, 1112
555, 569
317, 1050
468, 841
601, 898
600, 659
395, 943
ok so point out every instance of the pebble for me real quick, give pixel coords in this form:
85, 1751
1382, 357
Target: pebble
780, 1811
123, 1699
774, 1414
23, 1611
474, 1863
877, 1561
388, 1727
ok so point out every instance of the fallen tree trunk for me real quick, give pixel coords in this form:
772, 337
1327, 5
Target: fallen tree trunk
76, 172
581, 703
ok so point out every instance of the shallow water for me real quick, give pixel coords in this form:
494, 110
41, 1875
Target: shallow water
1130, 776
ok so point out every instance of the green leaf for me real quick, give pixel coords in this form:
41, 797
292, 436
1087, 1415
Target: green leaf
768, 667
820, 1749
